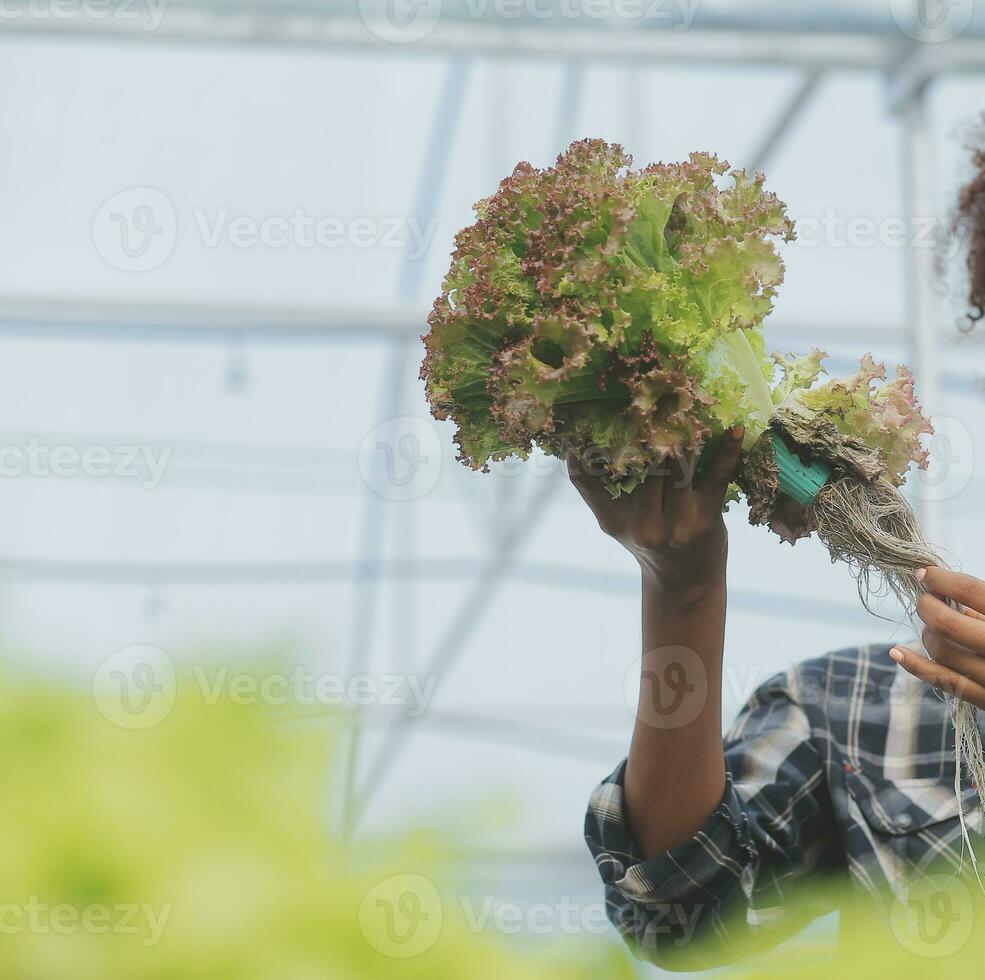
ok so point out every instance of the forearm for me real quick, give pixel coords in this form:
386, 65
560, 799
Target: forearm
675, 774
672, 523
740, 855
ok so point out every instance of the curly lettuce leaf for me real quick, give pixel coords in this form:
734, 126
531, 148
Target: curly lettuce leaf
884, 414
591, 306
797, 373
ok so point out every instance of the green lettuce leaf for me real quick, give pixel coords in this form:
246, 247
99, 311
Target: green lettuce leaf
594, 307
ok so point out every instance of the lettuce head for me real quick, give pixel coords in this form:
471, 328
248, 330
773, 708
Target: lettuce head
593, 308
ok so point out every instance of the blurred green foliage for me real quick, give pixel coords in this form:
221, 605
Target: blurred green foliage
198, 848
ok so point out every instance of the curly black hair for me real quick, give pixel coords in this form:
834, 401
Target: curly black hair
969, 224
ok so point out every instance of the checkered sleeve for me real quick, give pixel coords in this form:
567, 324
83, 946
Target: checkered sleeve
705, 901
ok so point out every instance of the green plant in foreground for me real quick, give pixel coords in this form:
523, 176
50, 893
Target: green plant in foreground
197, 850
213, 823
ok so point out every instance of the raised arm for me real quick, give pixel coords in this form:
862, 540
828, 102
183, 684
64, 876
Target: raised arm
673, 525
700, 841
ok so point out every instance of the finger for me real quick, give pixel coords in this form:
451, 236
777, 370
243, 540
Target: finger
960, 659
591, 488
953, 624
678, 500
682, 469
651, 503
966, 589
938, 676
719, 473
966, 610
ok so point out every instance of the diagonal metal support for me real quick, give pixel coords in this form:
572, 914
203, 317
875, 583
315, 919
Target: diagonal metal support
371, 551
435, 166
916, 67
781, 126
372, 536
455, 637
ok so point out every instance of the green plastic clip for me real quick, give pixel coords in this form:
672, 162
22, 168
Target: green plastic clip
799, 482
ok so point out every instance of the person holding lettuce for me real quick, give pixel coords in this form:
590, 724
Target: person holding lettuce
693, 837
842, 766
614, 317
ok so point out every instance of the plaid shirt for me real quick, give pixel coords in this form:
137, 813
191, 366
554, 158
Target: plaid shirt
843, 764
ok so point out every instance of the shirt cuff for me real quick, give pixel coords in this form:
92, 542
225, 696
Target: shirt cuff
702, 868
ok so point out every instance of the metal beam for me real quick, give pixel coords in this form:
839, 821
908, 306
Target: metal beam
432, 179
372, 539
163, 320
921, 306
703, 43
455, 637
371, 550
915, 67
700, 45
21, 571
781, 126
